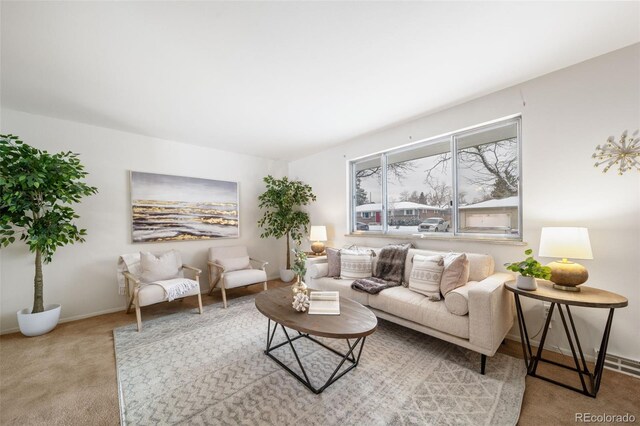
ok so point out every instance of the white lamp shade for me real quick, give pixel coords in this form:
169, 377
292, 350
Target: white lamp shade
318, 233
565, 242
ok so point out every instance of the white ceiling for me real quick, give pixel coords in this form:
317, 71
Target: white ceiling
284, 79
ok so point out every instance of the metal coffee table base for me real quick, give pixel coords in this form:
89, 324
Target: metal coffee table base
349, 356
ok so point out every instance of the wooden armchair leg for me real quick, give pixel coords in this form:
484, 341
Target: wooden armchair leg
138, 317
200, 303
130, 304
265, 286
224, 297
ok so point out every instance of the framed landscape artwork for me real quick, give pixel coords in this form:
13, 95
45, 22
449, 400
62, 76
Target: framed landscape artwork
177, 208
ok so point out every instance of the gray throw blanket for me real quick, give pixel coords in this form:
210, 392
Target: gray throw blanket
389, 270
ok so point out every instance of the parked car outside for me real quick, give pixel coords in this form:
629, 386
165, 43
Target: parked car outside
361, 226
434, 224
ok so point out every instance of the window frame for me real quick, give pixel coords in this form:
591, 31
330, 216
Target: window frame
455, 212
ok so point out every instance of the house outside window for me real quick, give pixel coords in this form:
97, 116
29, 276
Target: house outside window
470, 179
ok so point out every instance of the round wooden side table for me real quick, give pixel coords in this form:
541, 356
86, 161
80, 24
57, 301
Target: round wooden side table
588, 297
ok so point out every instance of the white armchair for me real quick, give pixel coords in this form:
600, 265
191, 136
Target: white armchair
231, 267
143, 291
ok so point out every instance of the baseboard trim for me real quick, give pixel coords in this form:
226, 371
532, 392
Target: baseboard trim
73, 318
106, 311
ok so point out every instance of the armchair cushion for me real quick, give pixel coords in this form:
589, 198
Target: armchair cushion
234, 263
153, 293
217, 253
244, 277
156, 268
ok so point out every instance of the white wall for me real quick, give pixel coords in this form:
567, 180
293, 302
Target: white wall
82, 276
565, 114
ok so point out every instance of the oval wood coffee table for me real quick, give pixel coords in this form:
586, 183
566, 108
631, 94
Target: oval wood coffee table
354, 322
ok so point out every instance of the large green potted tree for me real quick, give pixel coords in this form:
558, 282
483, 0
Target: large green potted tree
282, 215
36, 191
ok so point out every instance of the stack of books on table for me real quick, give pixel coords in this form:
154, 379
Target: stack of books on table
324, 303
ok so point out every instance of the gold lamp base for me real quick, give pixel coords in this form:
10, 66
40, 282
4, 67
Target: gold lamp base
567, 275
317, 247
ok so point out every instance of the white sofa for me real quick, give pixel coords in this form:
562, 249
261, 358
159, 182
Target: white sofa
490, 307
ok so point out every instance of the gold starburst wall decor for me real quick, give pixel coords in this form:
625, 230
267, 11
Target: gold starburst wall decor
625, 153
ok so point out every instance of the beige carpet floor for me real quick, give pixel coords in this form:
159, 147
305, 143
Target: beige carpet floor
68, 376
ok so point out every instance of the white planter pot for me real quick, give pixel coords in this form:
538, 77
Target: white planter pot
40, 323
526, 283
287, 275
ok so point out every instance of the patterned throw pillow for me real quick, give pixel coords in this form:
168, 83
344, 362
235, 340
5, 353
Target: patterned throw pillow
456, 272
426, 274
355, 264
333, 259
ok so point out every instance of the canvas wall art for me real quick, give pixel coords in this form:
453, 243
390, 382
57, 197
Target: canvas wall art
177, 208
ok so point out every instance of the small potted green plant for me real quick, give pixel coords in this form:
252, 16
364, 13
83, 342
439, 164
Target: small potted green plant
529, 270
300, 269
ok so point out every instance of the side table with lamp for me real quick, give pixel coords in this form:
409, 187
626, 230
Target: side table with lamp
564, 292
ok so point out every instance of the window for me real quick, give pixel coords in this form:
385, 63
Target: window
466, 183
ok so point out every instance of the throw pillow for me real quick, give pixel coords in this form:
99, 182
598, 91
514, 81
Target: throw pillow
426, 273
333, 259
158, 268
234, 263
355, 264
456, 272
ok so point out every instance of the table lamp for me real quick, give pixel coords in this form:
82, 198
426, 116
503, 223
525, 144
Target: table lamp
565, 243
318, 234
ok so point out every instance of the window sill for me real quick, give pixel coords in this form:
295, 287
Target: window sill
421, 237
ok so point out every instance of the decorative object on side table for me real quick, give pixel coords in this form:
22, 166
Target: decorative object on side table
625, 153
282, 216
36, 190
318, 235
529, 270
300, 269
564, 243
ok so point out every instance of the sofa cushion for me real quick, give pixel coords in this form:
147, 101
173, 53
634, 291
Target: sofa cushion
342, 286
333, 260
156, 268
456, 272
412, 306
480, 266
457, 300
355, 264
318, 270
426, 274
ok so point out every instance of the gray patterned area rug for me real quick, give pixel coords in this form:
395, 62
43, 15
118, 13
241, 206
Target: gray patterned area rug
210, 369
